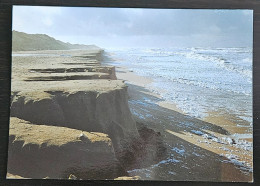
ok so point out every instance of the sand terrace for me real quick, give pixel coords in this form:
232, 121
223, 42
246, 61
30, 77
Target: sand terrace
69, 95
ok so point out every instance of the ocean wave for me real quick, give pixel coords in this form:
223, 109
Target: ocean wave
196, 79
222, 62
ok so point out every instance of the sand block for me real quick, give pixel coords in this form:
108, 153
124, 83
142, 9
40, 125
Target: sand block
72, 70
89, 105
66, 76
40, 151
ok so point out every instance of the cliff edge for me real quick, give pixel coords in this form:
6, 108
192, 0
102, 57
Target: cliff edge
58, 95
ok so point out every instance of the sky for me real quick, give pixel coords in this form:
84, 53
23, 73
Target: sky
136, 27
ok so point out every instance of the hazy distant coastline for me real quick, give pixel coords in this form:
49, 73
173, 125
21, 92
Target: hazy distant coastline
30, 42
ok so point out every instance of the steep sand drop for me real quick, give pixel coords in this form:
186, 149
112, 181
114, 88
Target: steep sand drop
40, 151
83, 97
92, 105
56, 89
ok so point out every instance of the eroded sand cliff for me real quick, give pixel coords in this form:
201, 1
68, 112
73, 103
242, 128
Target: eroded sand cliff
56, 152
58, 96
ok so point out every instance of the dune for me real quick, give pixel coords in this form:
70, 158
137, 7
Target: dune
28, 42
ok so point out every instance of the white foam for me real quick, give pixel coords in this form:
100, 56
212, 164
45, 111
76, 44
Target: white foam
196, 79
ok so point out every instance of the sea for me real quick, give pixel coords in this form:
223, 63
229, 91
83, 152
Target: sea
197, 80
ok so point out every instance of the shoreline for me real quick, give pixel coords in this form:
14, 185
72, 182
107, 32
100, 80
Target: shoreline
230, 156
132, 78
189, 152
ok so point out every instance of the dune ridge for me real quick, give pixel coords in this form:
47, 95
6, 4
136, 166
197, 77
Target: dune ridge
29, 42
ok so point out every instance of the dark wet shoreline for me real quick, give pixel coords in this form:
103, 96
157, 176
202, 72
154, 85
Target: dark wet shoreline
185, 160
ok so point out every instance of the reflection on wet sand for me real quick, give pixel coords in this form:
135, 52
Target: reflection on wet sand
196, 149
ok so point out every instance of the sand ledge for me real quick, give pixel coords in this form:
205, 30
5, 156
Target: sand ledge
98, 104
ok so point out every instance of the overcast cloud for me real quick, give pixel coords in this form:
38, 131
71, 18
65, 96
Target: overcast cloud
121, 27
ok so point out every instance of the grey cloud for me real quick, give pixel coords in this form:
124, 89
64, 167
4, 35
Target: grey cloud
112, 24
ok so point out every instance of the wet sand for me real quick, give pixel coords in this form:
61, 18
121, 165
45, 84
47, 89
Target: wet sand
197, 149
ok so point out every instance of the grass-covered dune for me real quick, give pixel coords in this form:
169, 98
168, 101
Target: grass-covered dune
27, 42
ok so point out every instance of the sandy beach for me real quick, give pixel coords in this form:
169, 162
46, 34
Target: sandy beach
109, 111
112, 93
